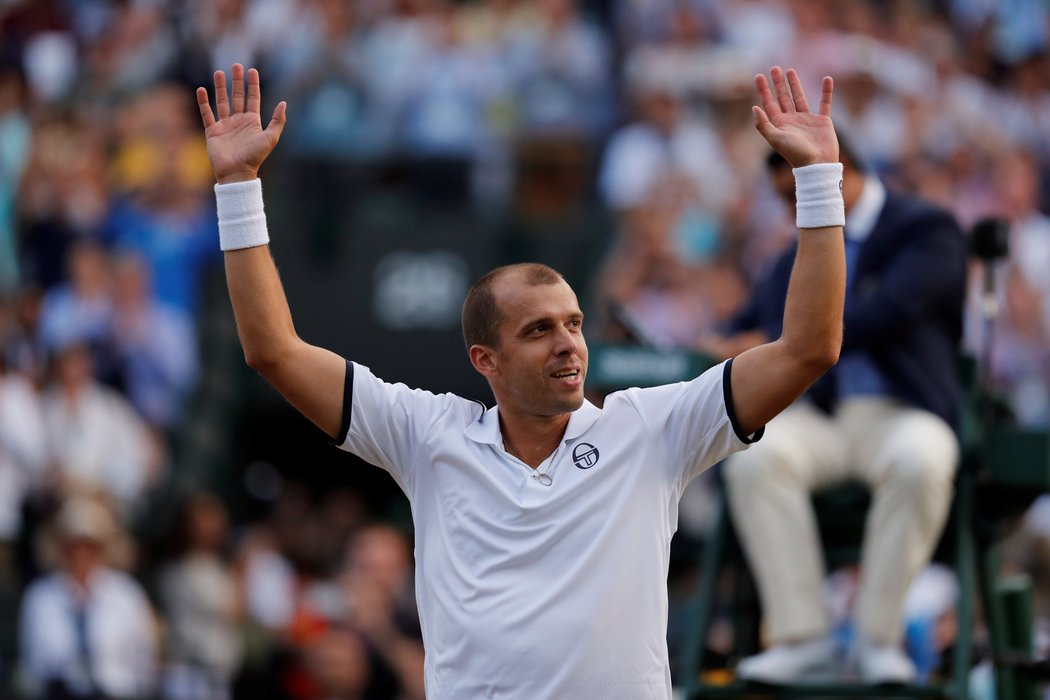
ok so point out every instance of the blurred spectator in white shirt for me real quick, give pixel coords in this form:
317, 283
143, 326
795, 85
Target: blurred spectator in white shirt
23, 450
203, 604
662, 142
98, 443
87, 630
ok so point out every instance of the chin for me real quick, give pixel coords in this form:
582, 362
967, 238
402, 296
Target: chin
570, 403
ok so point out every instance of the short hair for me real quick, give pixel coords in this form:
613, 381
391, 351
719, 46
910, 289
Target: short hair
481, 313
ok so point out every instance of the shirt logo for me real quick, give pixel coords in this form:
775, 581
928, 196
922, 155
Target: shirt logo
584, 455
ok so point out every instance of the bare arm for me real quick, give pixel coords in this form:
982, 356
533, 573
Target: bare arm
768, 378
311, 378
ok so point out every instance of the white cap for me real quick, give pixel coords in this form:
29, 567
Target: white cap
83, 518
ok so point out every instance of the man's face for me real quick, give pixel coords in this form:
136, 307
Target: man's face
541, 362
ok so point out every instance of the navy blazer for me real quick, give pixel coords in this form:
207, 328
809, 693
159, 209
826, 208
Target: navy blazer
905, 308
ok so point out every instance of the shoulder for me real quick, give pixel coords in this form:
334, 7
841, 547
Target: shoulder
123, 587
42, 590
367, 387
906, 211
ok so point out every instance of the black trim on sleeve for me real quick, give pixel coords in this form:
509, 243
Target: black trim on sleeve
348, 404
727, 393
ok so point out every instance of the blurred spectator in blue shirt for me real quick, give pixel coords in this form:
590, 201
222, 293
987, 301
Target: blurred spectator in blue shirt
155, 345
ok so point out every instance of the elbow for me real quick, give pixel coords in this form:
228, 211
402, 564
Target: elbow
258, 361
826, 357
265, 360
814, 358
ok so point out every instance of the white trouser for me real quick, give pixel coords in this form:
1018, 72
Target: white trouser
905, 455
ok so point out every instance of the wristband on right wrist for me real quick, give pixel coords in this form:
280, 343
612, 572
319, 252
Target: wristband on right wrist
818, 196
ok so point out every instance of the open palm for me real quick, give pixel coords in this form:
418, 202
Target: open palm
787, 124
237, 143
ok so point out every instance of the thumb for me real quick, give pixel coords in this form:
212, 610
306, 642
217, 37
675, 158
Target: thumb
762, 123
277, 122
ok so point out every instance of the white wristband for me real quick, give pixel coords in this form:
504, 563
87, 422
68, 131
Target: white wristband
242, 221
818, 196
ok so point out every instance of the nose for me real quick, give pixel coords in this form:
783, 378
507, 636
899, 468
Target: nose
568, 343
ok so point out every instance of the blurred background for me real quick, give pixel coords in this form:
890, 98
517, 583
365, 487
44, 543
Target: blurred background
427, 141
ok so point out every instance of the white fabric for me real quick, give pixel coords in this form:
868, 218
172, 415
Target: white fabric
907, 456
97, 439
120, 634
638, 156
199, 596
242, 221
23, 450
533, 591
866, 210
818, 196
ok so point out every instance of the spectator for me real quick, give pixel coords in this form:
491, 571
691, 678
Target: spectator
380, 600
63, 198
155, 346
87, 630
166, 217
23, 454
98, 444
560, 64
663, 142
81, 310
651, 294
203, 604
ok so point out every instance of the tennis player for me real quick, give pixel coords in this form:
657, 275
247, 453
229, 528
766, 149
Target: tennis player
542, 524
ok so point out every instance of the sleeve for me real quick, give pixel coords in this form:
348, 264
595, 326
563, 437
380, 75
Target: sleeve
693, 423
385, 424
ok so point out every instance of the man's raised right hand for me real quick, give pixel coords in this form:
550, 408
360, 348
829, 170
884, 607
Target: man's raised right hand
237, 143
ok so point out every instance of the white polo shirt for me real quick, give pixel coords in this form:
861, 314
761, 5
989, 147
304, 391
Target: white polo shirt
534, 591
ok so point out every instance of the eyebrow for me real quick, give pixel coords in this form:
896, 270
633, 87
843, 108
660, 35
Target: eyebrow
548, 319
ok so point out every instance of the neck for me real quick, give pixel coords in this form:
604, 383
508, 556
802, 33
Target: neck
532, 438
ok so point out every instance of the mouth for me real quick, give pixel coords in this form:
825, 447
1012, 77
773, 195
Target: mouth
568, 376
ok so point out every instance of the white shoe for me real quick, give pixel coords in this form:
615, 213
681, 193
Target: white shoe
882, 664
803, 662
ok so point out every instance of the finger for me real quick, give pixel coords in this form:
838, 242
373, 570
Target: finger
254, 94
277, 121
762, 122
827, 86
222, 102
797, 94
237, 88
202, 103
769, 105
780, 88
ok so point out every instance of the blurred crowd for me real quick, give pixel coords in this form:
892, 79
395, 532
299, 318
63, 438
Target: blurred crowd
108, 234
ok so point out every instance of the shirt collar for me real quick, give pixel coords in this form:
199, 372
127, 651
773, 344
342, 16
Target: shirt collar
486, 428
865, 211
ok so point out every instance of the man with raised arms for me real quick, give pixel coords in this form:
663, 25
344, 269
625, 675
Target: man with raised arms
542, 524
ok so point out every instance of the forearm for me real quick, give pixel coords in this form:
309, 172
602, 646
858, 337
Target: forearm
814, 307
264, 321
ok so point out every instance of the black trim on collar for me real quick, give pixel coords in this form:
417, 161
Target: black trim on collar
348, 404
727, 393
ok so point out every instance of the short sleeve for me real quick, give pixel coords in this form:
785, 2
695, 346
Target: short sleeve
693, 423
384, 424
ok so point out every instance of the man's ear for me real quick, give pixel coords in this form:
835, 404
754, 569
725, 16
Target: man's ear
484, 359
